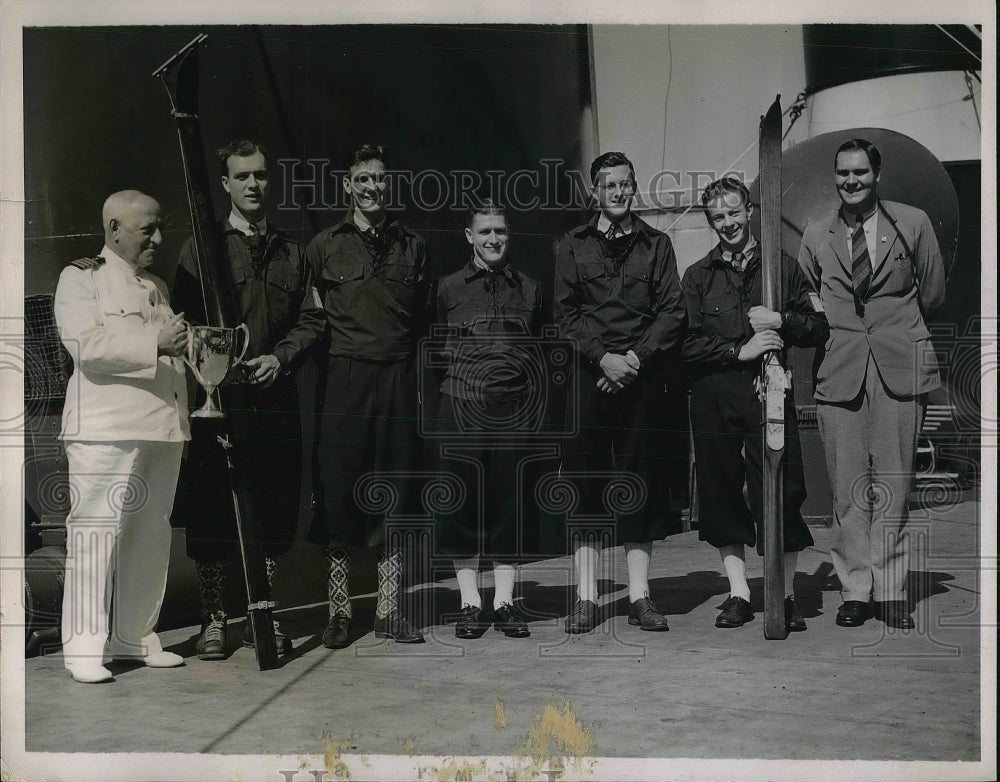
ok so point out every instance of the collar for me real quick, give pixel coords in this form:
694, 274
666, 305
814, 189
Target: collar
114, 259
849, 220
389, 224
717, 256
749, 252
363, 225
591, 227
272, 230
241, 224
474, 270
627, 225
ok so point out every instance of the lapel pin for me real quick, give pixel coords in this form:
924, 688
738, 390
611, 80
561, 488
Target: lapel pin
885, 238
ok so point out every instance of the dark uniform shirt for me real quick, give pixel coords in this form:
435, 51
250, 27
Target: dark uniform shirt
718, 297
276, 300
487, 312
274, 287
374, 291
618, 295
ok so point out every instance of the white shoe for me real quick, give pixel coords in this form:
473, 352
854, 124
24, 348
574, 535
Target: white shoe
159, 659
163, 660
90, 674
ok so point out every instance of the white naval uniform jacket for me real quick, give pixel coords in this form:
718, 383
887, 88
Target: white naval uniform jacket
109, 316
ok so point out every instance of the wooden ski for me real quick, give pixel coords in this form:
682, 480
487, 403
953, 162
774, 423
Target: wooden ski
774, 380
179, 76
259, 603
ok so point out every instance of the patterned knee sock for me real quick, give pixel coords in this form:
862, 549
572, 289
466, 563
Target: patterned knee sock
211, 577
390, 569
338, 582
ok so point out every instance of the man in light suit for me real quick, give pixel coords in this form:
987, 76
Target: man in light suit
125, 421
878, 270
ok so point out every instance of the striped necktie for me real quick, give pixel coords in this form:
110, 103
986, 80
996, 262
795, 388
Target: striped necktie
861, 264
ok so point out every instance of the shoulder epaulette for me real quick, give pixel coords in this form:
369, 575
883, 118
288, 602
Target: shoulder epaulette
87, 264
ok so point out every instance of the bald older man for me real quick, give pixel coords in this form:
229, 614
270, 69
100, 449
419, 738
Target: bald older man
124, 425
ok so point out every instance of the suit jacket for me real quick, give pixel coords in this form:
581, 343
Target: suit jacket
908, 283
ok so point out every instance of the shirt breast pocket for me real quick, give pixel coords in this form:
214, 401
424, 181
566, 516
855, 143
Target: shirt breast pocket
463, 315
240, 276
400, 280
284, 291
284, 277
519, 316
721, 317
591, 280
133, 301
342, 283
637, 286
124, 309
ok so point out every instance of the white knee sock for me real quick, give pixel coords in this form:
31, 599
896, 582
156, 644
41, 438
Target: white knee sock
467, 572
791, 561
637, 556
503, 578
734, 561
585, 558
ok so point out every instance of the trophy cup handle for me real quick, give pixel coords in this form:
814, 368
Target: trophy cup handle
190, 358
246, 342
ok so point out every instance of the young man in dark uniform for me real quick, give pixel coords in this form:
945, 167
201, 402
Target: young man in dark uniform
277, 302
618, 296
488, 393
728, 332
371, 272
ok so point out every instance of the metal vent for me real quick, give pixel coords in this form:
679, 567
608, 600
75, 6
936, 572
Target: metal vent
47, 365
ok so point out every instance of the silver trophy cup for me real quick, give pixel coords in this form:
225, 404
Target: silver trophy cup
211, 351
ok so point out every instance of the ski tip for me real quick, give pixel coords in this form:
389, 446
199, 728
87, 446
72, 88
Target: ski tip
772, 119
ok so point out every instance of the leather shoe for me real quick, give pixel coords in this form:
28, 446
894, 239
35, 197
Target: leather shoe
645, 614
90, 674
793, 619
470, 624
508, 620
852, 613
282, 641
895, 614
397, 628
338, 632
211, 644
736, 612
583, 617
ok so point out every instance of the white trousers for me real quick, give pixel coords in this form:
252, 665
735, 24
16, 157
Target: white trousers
118, 547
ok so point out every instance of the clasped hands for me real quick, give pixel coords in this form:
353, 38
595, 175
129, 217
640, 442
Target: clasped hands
619, 371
